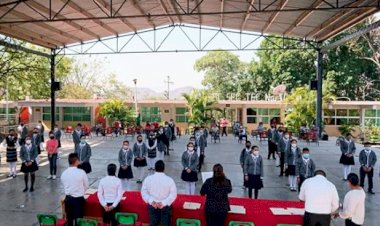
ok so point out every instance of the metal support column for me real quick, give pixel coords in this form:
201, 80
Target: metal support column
52, 87
319, 90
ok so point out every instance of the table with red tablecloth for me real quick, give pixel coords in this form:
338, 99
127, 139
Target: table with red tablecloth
257, 211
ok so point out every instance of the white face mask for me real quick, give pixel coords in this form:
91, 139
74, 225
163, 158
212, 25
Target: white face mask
28, 142
256, 153
294, 145
286, 136
125, 147
191, 149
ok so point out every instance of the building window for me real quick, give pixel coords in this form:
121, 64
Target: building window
150, 114
372, 117
180, 115
342, 116
254, 115
46, 114
75, 114
251, 115
3, 111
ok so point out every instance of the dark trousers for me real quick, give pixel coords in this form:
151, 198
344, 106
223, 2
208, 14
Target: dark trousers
250, 193
302, 179
282, 162
109, 217
215, 219
311, 219
160, 215
201, 160
363, 174
348, 222
74, 208
224, 131
272, 148
53, 164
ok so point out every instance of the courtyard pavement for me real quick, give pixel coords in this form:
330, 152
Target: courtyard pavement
20, 209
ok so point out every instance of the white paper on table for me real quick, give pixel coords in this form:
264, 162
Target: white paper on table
91, 191
296, 211
237, 209
191, 205
280, 211
206, 175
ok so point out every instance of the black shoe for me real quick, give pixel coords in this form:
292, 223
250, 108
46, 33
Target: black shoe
371, 192
31, 189
25, 190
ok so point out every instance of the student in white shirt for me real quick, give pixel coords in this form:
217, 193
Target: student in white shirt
321, 200
110, 192
75, 183
159, 191
354, 202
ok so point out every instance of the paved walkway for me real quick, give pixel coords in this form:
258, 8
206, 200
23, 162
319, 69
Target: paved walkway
20, 209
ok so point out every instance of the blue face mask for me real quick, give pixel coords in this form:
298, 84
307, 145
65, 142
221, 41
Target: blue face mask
83, 142
306, 156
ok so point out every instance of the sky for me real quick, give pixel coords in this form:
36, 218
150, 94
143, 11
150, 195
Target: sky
152, 69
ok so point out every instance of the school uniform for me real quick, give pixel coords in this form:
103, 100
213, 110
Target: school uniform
58, 135
272, 145
84, 154
367, 159
151, 145
291, 158
244, 154
254, 169
11, 154
201, 146
162, 143
189, 161
283, 146
23, 134
139, 152
347, 148
36, 141
125, 159
76, 137
304, 169
28, 153
168, 134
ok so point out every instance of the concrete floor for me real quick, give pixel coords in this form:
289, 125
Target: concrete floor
20, 209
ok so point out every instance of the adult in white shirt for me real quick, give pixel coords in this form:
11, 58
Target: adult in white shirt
354, 202
110, 192
159, 191
321, 200
75, 183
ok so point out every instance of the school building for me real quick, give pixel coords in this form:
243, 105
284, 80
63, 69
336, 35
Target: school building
71, 111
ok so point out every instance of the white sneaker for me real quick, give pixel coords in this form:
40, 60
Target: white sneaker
54, 177
49, 177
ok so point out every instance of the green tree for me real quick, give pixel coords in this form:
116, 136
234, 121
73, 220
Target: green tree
200, 107
115, 109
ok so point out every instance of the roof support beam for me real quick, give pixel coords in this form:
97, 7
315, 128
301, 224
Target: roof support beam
106, 6
141, 11
197, 6
174, 9
163, 7
274, 15
24, 49
221, 15
87, 14
303, 17
247, 15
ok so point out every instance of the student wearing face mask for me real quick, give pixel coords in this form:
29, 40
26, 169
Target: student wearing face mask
282, 148
305, 167
52, 150
125, 170
348, 148
201, 146
77, 133
162, 143
272, 144
151, 145
28, 154
140, 151
292, 155
367, 159
36, 141
254, 172
243, 155
83, 150
189, 172
11, 144
168, 134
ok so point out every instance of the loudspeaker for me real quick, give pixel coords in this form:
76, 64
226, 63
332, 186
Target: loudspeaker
314, 85
56, 86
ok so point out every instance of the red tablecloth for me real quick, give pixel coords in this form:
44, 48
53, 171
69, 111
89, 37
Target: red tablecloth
257, 211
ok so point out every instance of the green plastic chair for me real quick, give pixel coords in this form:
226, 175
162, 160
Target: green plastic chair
241, 223
47, 219
126, 218
188, 222
86, 222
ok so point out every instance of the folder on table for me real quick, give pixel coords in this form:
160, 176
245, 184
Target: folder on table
191, 205
237, 209
91, 191
280, 211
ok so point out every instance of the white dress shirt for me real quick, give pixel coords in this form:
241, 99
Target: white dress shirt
320, 195
353, 206
110, 191
159, 188
75, 182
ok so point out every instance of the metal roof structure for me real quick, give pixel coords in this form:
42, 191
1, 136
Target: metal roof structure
57, 24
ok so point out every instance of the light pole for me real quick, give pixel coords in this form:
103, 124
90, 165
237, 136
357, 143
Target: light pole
136, 110
7, 101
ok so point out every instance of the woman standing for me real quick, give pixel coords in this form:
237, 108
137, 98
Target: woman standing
125, 160
189, 172
139, 151
151, 144
52, 150
83, 150
292, 155
28, 155
162, 143
216, 190
254, 171
348, 148
11, 144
